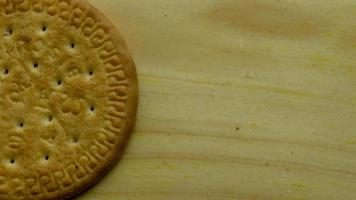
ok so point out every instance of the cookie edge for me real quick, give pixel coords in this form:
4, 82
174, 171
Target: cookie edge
131, 107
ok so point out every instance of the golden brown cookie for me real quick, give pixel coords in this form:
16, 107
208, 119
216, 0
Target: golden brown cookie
68, 98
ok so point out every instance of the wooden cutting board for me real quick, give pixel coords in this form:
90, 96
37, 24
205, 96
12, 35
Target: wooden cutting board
239, 100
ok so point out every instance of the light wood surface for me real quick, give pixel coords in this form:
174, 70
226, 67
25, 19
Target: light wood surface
239, 100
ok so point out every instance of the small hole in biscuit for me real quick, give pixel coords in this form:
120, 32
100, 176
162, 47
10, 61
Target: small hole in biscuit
50, 118
59, 82
21, 124
72, 45
75, 139
10, 31
35, 65
91, 73
44, 28
76, 167
47, 157
92, 108
12, 161
6, 71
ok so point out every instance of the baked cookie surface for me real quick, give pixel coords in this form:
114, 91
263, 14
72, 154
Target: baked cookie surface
68, 98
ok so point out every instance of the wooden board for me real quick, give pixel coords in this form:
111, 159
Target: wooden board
240, 100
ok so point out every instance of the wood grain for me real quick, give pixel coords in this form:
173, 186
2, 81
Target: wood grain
246, 100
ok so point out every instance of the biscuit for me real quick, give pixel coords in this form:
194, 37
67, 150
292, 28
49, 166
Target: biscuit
68, 98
